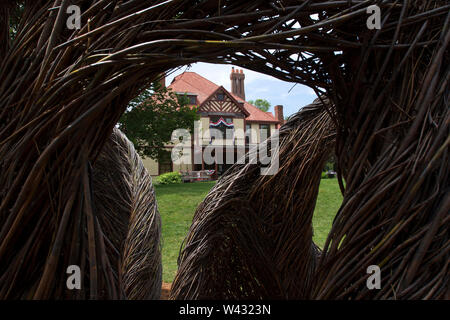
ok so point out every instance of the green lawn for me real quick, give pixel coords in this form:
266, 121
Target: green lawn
177, 204
328, 203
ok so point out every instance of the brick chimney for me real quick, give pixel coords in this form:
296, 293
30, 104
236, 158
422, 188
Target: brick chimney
279, 114
237, 83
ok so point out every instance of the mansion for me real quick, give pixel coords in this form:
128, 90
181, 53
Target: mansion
241, 123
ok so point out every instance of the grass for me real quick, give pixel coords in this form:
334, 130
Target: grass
177, 204
328, 202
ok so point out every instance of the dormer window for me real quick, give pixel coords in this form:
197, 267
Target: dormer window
220, 96
192, 99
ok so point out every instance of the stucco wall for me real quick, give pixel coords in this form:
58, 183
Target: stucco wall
151, 166
239, 134
204, 130
254, 138
272, 129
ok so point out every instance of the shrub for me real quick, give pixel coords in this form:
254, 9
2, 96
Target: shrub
169, 178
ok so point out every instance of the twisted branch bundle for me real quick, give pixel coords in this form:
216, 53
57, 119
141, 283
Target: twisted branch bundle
125, 205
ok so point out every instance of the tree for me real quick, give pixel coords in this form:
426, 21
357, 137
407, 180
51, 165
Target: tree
262, 104
151, 118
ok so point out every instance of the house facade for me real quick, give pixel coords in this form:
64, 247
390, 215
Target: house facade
226, 119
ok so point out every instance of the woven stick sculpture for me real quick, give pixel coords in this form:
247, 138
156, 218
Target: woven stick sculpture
63, 90
124, 202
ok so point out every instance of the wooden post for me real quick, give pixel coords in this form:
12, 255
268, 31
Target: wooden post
215, 169
203, 162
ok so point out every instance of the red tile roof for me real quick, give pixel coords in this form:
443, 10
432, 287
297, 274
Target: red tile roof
191, 82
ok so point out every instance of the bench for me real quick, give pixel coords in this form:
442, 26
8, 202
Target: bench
202, 175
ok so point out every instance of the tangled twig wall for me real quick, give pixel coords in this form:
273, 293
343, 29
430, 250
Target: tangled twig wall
63, 90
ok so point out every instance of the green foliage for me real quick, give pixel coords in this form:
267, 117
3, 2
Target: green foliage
152, 117
169, 178
262, 104
330, 165
14, 18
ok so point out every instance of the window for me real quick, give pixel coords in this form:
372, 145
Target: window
220, 96
248, 133
227, 128
187, 98
165, 162
192, 99
264, 132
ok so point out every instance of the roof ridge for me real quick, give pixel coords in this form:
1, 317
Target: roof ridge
195, 73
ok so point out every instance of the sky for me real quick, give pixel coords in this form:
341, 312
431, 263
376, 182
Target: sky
257, 86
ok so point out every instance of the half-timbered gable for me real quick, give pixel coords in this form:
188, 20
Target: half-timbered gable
221, 101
